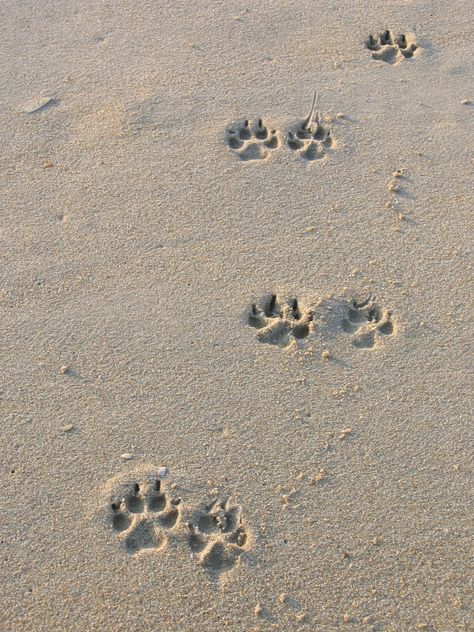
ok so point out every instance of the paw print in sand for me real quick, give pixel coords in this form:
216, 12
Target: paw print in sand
217, 535
280, 323
310, 139
367, 322
386, 47
142, 513
252, 140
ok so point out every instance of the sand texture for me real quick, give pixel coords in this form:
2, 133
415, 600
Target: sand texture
236, 335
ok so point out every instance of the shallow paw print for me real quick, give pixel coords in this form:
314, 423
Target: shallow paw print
217, 536
311, 143
367, 322
310, 139
141, 513
252, 141
280, 323
386, 47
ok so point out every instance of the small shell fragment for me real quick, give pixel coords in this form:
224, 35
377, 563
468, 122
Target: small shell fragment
126, 456
162, 472
344, 433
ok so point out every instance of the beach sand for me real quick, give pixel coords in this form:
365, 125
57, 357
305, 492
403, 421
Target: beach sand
316, 457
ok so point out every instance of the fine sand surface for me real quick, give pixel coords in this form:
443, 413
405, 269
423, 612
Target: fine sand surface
176, 295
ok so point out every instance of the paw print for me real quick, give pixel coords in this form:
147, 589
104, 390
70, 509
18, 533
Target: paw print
141, 513
217, 535
391, 49
367, 321
279, 323
310, 138
252, 141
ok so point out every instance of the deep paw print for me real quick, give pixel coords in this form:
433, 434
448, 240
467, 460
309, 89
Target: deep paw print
252, 141
386, 47
217, 535
142, 513
309, 138
367, 322
278, 323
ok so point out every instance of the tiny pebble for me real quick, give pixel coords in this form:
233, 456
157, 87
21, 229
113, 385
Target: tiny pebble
258, 609
67, 427
340, 115
282, 598
318, 477
126, 456
64, 369
325, 355
466, 102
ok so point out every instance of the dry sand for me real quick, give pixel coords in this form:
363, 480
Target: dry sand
318, 483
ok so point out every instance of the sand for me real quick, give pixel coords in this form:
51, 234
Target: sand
318, 455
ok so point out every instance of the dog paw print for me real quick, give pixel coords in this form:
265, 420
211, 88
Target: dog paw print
217, 535
386, 47
279, 323
367, 322
252, 140
310, 139
142, 513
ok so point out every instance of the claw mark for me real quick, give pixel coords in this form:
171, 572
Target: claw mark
271, 306
295, 310
362, 304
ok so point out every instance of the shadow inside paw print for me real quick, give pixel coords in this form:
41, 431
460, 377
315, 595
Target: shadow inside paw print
252, 141
141, 514
310, 139
279, 323
367, 321
386, 47
217, 535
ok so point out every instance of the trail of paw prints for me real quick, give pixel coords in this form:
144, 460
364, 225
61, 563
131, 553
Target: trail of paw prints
217, 536
142, 513
386, 47
280, 322
367, 323
252, 140
309, 138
